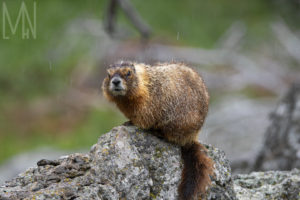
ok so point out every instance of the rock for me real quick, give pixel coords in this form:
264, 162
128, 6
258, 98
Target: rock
268, 185
19, 163
281, 149
126, 163
237, 124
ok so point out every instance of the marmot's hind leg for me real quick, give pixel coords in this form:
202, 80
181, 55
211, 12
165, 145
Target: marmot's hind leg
181, 139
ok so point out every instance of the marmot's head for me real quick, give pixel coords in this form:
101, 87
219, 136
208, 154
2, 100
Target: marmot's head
121, 80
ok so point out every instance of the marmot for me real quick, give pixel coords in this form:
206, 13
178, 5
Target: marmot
172, 100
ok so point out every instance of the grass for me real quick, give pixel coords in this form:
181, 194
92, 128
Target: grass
38, 68
82, 135
201, 23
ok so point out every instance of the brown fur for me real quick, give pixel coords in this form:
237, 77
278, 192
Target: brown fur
171, 99
197, 168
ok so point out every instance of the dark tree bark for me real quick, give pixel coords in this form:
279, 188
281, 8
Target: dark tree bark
281, 150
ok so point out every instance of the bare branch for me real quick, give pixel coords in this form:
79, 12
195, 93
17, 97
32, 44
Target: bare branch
111, 16
288, 40
135, 18
131, 14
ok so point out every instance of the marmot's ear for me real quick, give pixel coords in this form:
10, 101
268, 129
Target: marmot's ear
109, 72
126, 63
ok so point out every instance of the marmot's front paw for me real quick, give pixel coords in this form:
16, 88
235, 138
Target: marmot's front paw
128, 123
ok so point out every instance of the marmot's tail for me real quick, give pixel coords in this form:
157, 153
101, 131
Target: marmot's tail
196, 172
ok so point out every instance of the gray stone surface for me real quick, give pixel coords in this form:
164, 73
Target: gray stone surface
268, 185
126, 163
237, 124
19, 163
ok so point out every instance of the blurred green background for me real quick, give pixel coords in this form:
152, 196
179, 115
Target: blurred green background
36, 74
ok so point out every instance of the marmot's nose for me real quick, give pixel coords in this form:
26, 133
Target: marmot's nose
116, 81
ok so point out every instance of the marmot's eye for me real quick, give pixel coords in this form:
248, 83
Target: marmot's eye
128, 73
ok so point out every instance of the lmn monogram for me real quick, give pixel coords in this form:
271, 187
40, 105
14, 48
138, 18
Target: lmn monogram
23, 21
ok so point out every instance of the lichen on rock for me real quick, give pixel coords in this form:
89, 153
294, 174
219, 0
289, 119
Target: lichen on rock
268, 185
129, 163
126, 163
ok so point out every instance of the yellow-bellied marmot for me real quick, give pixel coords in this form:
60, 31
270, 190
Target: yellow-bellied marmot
172, 100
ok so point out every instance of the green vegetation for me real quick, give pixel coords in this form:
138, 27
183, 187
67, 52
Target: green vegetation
41, 68
201, 23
